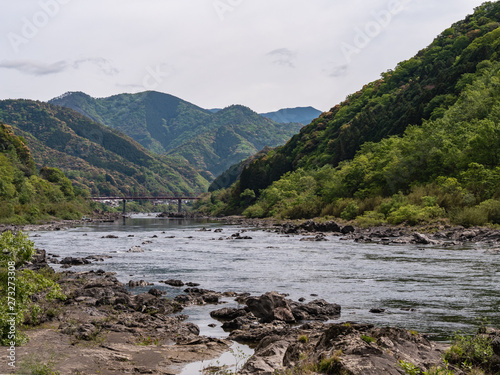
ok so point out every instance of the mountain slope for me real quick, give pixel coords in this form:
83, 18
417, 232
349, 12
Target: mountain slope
94, 156
26, 195
238, 132
159, 122
164, 124
446, 168
418, 89
302, 115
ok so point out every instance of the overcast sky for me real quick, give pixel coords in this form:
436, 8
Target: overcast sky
264, 54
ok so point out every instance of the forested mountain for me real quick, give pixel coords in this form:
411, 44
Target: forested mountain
29, 196
160, 122
164, 124
419, 89
420, 142
302, 115
231, 175
93, 156
237, 132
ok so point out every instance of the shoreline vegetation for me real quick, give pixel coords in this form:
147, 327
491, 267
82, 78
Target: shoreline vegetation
84, 322
410, 158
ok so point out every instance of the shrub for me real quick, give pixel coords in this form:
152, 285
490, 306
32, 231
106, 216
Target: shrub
255, 211
370, 219
474, 350
469, 216
350, 211
331, 365
492, 209
409, 214
17, 286
304, 339
367, 339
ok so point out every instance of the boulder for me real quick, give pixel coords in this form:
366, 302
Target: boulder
228, 313
135, 249
133, 284
74, 261
355, 349
269, 307
155, 292
315, 310
318, 237
268, 356
347, 229
173, 282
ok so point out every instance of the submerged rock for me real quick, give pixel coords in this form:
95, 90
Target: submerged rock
135, 249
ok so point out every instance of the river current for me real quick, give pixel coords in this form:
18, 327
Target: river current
429, 289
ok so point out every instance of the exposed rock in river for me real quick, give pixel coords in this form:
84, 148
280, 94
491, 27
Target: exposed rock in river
346, 348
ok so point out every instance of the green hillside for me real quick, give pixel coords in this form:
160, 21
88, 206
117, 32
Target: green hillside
93, 156
159, 122
237, 132
164, 124
232, 174
418, 144
27, 196
419, 89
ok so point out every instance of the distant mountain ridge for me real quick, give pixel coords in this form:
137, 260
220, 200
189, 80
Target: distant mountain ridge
210, 140
159, 122
93, 156
302, 115
237, 133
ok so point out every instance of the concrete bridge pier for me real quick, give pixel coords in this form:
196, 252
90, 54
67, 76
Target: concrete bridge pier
179, 205
124, 206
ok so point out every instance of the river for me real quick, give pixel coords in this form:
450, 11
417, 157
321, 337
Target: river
429, 289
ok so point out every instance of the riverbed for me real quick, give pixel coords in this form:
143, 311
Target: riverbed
429, 289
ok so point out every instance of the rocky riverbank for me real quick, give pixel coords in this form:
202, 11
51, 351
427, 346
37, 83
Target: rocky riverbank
445, 235
96, 217
109, 327
102, 327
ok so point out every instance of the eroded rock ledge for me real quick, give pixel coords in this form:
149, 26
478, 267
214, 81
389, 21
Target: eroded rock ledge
103, 328
343, 348
292, 338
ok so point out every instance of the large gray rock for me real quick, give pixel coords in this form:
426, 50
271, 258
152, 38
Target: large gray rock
268, 356
354, 349
269, 307
315, 310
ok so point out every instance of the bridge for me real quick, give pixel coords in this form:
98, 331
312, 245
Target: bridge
179, 197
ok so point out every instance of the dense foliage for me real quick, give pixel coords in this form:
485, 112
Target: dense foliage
94, 157
164, 124
430, 171
27, 196
18, 286
159, 122
445, 163
419, 89
237, 133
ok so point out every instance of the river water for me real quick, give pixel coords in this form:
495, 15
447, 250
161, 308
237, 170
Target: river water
429, 289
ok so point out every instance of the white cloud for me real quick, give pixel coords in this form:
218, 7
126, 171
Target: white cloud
282, 57
107, 47
39, 68
34, 68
